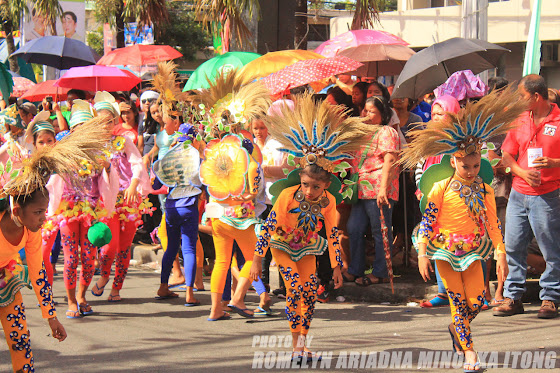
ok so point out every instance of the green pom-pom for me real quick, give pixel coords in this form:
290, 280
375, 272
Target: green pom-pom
99, 234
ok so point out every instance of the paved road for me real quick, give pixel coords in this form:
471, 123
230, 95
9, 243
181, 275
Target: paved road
141, 334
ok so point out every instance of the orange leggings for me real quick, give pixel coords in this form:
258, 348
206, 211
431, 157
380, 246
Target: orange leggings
223, 236
301, 289
17, 335
466, 296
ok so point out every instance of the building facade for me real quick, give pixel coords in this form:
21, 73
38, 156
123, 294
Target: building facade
424, 22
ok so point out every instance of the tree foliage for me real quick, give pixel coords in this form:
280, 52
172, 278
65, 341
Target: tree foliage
95, 40
225, 18
183, 32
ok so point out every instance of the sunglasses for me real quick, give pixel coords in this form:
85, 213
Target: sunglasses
148, 100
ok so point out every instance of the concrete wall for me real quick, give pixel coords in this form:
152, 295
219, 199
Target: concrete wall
508, 22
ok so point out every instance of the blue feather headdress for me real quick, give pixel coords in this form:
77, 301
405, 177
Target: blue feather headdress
318, 133
464, 133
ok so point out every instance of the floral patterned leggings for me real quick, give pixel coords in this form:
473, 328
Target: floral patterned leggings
123, 233
466, 296
75, 243
17, 335
301, 289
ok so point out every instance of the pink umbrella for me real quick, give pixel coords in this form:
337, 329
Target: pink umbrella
21, 85
39, 91
98, 78
381, 52
308, 71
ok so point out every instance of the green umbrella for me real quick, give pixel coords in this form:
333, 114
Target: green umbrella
6, 83
225, 62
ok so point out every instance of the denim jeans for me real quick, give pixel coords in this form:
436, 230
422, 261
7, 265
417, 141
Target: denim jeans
539, 214
365, 212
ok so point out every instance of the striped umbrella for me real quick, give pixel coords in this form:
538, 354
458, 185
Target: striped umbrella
387, 247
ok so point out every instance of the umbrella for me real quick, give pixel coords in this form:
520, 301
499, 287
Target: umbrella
98, 78
139, 54
21, 85
39, 91
209, 69
6, 83
274, 61
382, 53
58, 52
432, 66
308, 71
387, 248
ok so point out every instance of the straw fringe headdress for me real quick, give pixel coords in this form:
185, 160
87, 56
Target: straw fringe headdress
227, 105
165, 82
318, 133
86, 142
464, 133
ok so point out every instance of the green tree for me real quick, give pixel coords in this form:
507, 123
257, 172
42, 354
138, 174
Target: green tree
183, 32
10, 16
95, 40
225, 18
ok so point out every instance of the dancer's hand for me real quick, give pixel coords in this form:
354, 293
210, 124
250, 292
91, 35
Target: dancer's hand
57, 329
425, 267
337, 277
256, 268
502, 268
130, 194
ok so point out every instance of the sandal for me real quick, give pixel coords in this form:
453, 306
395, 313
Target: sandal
366, 281
496, 302
114, 298
347, 279
473, 366
102, 289
85, 309
70, 314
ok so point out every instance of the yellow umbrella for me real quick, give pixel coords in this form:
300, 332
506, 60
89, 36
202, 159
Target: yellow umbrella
274, 61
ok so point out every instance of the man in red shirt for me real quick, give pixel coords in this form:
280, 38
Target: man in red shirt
532, 151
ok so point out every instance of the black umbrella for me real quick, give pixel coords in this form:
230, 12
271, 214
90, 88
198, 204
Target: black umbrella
58, 52
432, 66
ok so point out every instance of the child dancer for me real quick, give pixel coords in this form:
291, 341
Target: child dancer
26, 200
132, 186
76, 210
231, 170
304, 214
460, 217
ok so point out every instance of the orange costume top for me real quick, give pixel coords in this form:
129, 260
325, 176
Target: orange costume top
460, 223
9, 268
294, 224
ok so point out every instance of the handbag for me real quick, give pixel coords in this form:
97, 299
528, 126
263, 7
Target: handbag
353, 180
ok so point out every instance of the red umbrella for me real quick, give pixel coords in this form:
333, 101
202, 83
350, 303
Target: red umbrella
381, 52
139, 55
21, 85
98, 78
387, 247
39, 91
308, 71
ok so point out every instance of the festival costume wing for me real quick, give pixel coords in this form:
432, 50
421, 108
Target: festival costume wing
179, 169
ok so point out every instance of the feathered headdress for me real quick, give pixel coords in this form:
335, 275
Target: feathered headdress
226, 105
318, 133
165, 82
464, 133
64, 158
